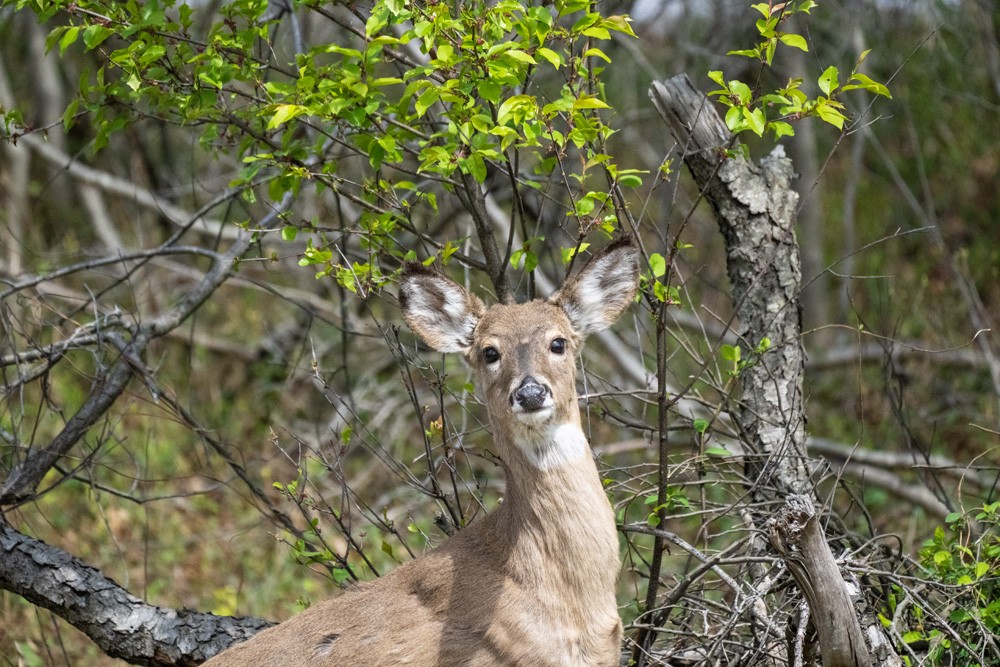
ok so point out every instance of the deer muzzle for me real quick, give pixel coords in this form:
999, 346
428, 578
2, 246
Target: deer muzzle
531, 396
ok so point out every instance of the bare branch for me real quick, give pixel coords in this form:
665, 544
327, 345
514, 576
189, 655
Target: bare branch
120, 623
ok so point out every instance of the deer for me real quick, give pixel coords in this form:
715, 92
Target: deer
533, 582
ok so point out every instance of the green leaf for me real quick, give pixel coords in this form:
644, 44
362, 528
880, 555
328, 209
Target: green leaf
741, 91
69, 116
619, 23
720, 452
571, 252
549, 55
781, 129
730, 353
828, 80
597, 32
630, 180
796, 41
772, 46
589, 102
831, 115
352, 54
68, 38
766, 26
657, 265
525, 254
284, 113
755, 120
515, 108
489, 91
861, 58
426, 99
700, 425
660, 292
288, 233
867, 83
94, 35
597, 53
734, 119
564, 7
521, 56
475, 166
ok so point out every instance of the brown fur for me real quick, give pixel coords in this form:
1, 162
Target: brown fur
533, 583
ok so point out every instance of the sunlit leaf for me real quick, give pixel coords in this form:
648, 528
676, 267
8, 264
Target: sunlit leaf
590, 102
793, 40
828, 80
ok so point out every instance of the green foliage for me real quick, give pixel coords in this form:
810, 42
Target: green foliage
734, 360
757, 111
497, 87
675, 499
966, 566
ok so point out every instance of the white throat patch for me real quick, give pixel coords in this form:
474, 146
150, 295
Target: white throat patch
552, 445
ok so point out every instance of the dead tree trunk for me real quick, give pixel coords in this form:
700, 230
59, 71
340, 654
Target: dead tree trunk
755, 208
794, 532
121, 624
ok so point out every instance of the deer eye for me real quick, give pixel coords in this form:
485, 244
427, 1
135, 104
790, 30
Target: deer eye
558, 346
491, 355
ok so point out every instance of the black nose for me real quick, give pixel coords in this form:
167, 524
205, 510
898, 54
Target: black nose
530, 395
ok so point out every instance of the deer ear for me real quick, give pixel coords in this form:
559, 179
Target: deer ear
595, 297
439, 310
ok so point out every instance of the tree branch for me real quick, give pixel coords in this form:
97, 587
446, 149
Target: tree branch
122, 625
26, 474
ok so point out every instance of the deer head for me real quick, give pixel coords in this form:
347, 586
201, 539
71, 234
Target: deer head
524, 355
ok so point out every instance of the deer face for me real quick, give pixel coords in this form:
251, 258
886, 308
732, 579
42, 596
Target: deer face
525, 358
525, 354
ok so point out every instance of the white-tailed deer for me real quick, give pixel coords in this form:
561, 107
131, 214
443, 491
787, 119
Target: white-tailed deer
533, 582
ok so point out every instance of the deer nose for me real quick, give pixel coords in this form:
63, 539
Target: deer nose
530, 394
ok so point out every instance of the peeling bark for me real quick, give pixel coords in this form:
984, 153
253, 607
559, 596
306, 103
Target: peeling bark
122, 625
755, 208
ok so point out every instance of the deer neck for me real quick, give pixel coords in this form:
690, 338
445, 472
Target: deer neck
555, 519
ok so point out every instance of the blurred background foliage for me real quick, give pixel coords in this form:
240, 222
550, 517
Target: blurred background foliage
316, 395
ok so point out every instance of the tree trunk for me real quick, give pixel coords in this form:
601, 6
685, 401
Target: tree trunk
122, 625
794, 532
755, 209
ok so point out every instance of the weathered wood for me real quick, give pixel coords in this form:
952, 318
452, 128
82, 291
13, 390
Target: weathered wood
755, 208
794, 532
122, 625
